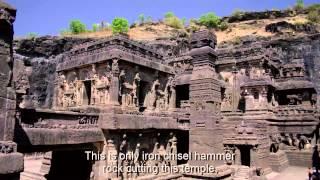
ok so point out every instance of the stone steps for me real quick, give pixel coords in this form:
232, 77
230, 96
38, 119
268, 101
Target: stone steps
31, 176
242, 173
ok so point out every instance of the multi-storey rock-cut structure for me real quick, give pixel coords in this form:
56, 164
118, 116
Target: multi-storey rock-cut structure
115, 97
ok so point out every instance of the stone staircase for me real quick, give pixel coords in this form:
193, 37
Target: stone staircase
242, 173
31, 176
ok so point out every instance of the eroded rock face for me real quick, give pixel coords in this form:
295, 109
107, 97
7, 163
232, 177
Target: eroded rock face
279, 27
7, 97
245, 16
46, 46
38, 58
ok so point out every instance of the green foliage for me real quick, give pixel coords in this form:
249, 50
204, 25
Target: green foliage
77, 27
173, 21
314, 16
299, 4
313, 7
120, 25
210, 20
193, 25
141, 19
32, 35
95, 27
169, 15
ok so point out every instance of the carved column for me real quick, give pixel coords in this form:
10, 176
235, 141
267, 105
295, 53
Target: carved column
172, 101
238, 156
112, 154
114, 88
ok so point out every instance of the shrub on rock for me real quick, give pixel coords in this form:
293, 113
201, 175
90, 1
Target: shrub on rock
77, 27
120, 25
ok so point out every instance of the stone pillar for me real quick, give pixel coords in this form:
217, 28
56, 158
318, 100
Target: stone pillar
205, 99
263, 98
238, 156
114, 87
173, 97
112, 153
11, 162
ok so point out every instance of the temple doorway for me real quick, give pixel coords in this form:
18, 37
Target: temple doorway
182, 92
142, 92
245, 155
87, 93
66, 165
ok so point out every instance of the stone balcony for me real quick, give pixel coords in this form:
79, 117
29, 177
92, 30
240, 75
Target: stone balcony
295, 112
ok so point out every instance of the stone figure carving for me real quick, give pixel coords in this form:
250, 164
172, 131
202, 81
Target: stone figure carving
170, 94
151, 97
227, 100
304, 143
94, 91
78, 92
126, 91
275, 141
135, 90
6, 148
273, 101
294, 99
136, 158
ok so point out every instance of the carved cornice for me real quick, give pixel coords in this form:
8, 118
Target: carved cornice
109, 53
124, 42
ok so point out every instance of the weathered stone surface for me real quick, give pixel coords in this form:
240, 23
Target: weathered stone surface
11, 163
281, 26
255, 99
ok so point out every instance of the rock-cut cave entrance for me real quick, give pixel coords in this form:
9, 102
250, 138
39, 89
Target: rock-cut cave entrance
66, 165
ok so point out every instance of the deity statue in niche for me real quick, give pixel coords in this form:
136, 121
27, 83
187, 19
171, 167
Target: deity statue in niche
94, 91
170, 94
129, 92
79, 90
125, 89
151, 97
135, 90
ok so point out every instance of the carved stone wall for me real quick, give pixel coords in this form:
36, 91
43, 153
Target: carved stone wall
11, 162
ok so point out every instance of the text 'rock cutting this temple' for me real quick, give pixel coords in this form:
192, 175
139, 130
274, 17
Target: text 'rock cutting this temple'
116, 96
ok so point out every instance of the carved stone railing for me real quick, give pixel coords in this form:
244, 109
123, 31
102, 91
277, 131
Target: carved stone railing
294, 111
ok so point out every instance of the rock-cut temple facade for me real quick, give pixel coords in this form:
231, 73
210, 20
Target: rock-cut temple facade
116, 96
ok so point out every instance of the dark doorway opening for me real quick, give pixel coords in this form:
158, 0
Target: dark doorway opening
183, 145
66, 165
87, 93
182, 94
245, 155
142, 92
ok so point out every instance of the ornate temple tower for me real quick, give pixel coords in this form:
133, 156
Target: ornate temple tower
12, 162
205, 97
